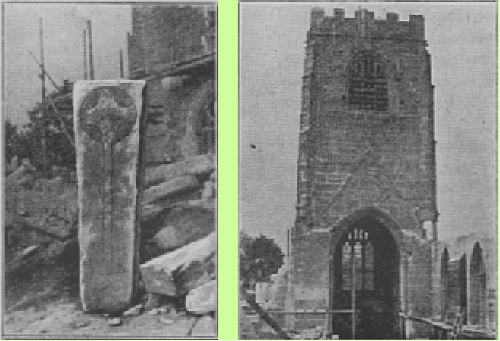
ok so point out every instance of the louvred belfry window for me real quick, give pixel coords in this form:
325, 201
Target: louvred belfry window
367, 86
358, 252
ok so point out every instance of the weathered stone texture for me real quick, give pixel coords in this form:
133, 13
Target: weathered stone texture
173, 45
203, 299
171, 188
109, 123
184, 225
164, 34
199, 165
400, 140
205, 327
175, 133
365, 161
178, 272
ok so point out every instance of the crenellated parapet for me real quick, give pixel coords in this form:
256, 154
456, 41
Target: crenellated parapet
364, 24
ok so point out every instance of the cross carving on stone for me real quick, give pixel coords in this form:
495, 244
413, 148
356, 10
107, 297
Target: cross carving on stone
108, 122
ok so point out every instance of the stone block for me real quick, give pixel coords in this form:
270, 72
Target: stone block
195, 165
204, 327
170, 188
182, 270
203, 299
108, 125
150, 211
208, 190
185, 225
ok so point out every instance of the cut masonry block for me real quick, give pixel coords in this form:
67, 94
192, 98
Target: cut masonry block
109, 124
178, 272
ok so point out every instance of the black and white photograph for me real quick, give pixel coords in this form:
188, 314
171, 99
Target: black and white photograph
368, 170
110, 170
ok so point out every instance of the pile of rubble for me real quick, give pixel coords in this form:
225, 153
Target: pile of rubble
40, 215
178, 244
179, 256
26, 175
22, 175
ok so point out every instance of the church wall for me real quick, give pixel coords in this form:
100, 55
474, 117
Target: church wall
163, 35
401, 139
310, 280
420, 288
170, 48
178, 101
353, 160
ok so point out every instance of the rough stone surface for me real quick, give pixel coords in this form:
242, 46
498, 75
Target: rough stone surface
362, 159
108, 124
186, 224
170, 188
135, 310
186, 268
150, 211
153, 302
195, 165
204, 327
156, 40
208, 190
114, 322
209, 204
203, 299
157, 29
23, 170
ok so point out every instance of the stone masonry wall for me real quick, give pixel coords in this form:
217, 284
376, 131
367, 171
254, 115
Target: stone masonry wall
178, 103
352, 160
311, 278
335, 138
164, 34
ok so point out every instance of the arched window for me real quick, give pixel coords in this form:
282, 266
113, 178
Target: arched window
477, 287
358, 261
367, 82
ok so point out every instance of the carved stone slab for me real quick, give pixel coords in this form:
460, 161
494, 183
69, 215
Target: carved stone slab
109, 122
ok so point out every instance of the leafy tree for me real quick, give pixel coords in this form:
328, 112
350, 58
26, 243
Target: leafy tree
16, 142
52, 127
259, 258
11, 136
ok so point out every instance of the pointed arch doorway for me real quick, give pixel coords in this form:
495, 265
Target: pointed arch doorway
366, 277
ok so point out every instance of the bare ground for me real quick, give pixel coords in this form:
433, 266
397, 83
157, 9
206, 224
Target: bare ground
42, 301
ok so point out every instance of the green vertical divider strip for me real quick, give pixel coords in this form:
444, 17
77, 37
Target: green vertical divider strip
228, 169
498, 158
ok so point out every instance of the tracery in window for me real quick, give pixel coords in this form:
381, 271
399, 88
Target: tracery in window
358, 252
367, 85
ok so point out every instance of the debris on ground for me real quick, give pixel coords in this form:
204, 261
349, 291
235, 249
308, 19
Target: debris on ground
136, 310
204, 327
178, 272
115, 321
178, 235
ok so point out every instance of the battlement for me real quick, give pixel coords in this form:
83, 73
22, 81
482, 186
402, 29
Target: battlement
364, 24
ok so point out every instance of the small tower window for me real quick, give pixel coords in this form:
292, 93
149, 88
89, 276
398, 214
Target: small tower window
367, 85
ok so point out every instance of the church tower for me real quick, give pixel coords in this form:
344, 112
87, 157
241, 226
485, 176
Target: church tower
365, 228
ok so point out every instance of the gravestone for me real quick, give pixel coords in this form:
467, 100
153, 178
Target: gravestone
109, 124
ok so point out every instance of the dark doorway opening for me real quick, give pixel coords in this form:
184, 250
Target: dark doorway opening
478, 288
366, 278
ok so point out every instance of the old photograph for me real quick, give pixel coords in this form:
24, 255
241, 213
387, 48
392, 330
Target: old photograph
110, 170
367, 170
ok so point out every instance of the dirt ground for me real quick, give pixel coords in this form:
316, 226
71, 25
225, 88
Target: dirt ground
42, 301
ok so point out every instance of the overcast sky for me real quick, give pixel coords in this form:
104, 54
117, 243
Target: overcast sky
462, 44
63, 26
